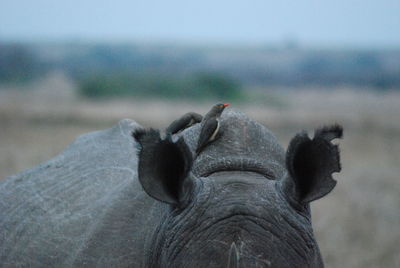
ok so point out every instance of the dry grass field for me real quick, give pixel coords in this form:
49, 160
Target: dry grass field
357, 225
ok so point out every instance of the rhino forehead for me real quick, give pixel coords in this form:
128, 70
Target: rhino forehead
242, 141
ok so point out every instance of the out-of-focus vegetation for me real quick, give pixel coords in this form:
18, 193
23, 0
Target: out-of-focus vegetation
199, 86
18, 63
146, 70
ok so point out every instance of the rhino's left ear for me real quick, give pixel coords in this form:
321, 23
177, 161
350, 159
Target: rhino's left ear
310, 163
164, 167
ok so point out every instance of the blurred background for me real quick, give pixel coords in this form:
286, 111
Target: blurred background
67, 68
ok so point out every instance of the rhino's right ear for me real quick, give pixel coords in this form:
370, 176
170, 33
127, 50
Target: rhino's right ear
310, 164
164, 166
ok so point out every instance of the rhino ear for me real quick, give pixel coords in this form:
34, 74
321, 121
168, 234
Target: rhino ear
311, 162
164, 166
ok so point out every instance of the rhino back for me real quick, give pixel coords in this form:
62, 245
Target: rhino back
84, 207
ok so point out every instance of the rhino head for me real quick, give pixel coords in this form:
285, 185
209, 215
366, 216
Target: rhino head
243, 202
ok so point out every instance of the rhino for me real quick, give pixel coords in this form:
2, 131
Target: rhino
128, 197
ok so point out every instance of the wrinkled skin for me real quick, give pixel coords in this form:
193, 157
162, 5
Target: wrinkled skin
243, 202
265, 236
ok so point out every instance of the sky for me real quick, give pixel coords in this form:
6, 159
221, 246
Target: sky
373, 23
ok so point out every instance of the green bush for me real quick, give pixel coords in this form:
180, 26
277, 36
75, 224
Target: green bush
214, 85
200, 86
18, 64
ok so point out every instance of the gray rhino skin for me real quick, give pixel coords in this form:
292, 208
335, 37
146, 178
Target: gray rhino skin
242, 202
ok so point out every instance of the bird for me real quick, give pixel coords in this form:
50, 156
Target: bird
187, 120
210, 126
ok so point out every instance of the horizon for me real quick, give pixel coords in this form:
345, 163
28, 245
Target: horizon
212, 44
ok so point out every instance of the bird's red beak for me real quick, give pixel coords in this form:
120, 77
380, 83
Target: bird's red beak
226, 105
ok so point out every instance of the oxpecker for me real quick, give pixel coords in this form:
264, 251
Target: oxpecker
210, 126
